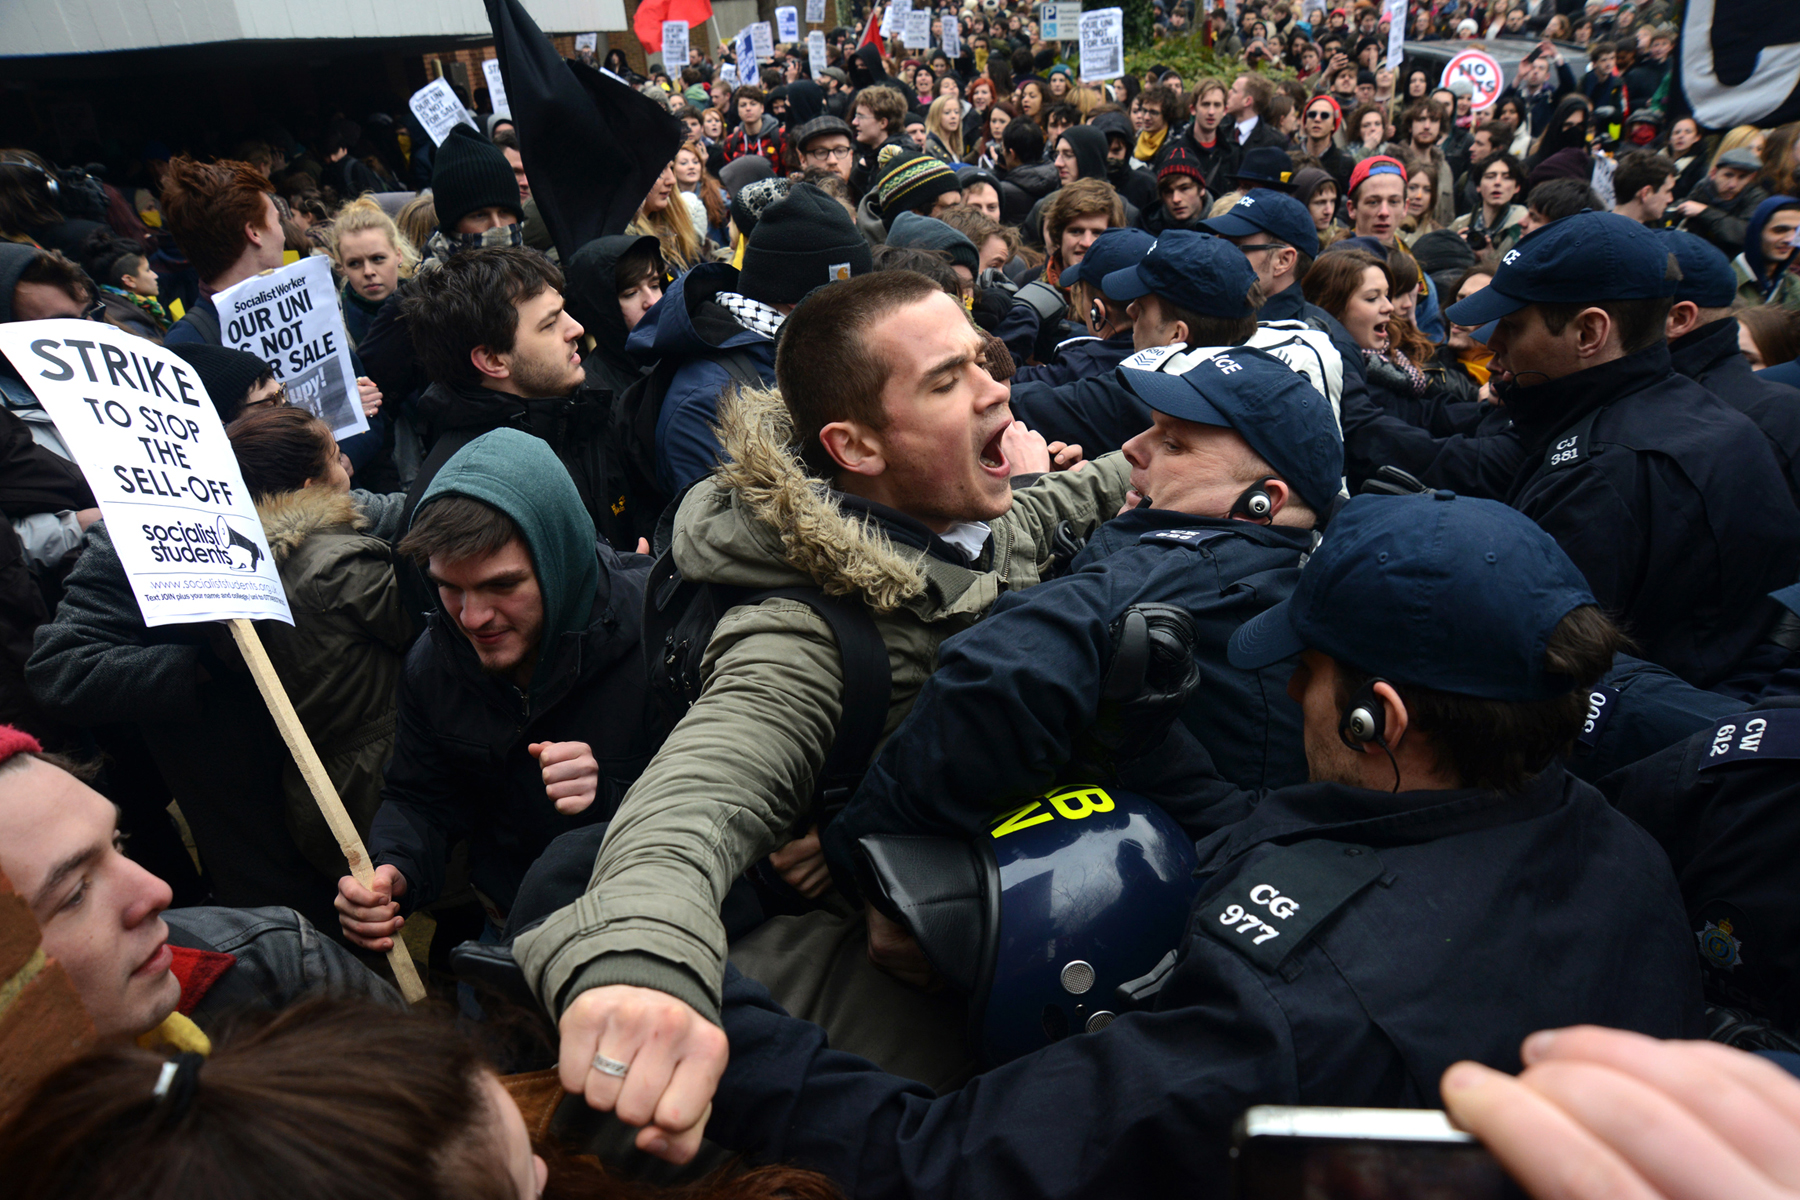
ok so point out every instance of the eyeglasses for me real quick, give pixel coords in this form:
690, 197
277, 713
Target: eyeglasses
278, 400
827, 153
1323, 114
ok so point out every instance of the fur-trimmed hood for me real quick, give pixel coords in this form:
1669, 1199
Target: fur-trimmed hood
761, 521
290, 518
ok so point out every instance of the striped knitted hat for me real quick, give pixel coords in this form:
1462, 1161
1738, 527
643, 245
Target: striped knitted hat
907, 181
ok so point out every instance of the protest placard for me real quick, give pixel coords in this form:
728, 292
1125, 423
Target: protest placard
589, 42
817, 58
290, 319
149, 442
146, 436
815, 12
728, 72
496, 87
1394, 12
952, 39
916, 33
438, 109
888, 17
674, 46
1103, 44
762, 40
787, 24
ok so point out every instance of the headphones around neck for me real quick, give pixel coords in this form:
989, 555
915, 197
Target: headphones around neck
1255, 503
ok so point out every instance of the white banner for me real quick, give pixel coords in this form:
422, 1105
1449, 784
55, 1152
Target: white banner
146, 436
916, 33
952, 40
887, 21
290, 319
787, 24
817, 58
496, 86
746, 56
674, 46
439, 110
762, 40
728, 72
815, 12
587, 41
1103, 44
1395, 12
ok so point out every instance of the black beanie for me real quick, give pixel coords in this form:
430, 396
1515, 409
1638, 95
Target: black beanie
799, 244
226, 374
469, 174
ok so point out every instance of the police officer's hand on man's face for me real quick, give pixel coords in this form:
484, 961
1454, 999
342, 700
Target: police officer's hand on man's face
1601, 1114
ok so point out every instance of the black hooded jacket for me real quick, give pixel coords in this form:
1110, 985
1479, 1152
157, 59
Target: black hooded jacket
806, 100
591, 294
1136, 184
575, 427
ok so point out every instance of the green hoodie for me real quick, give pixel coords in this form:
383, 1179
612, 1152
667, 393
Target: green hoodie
521, 476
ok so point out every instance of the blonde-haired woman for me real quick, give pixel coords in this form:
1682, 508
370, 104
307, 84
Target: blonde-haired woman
373, 256
665, 218
943, 129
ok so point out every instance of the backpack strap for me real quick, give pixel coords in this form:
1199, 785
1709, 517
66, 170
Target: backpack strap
742, 368
868, 689
205, 318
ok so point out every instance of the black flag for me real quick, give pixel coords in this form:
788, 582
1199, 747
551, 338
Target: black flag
592, 146
1740, 62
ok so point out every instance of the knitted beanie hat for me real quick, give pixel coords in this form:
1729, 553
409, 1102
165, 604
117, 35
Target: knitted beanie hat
1181, 162
226, 374
907, 181
800, 243
748, 203
468, 175
929, 233
16, 741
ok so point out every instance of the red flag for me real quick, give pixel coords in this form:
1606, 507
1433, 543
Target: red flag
647, 22
872, 35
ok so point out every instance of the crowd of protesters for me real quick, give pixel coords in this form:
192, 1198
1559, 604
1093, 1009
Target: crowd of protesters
1383, 513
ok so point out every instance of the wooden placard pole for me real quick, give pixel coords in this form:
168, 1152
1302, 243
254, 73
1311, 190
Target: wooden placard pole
323, 790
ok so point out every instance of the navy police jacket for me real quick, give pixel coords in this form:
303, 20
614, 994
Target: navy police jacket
1013, 696
1346, 947
1083, 357
1668, 500
1710, 357
1722, 804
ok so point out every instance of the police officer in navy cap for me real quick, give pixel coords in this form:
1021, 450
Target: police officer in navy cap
1277, 235
1240, 465
1188, 289
1108, 340
1441, 889
1669, 500
1703, 345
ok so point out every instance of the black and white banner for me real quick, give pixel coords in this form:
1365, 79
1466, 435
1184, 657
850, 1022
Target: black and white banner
1740, 61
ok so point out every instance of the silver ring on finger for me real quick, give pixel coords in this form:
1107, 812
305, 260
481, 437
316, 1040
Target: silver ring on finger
610, 1066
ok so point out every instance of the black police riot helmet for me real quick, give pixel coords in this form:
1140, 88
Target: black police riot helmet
1041, 917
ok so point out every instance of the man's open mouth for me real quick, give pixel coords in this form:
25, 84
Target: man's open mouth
993, 456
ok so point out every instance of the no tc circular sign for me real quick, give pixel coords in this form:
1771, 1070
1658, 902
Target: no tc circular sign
1482, 73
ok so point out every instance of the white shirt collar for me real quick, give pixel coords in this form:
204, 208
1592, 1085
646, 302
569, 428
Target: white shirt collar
1245, 126
968, 537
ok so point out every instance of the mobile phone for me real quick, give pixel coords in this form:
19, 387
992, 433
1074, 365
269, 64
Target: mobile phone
1285, 1152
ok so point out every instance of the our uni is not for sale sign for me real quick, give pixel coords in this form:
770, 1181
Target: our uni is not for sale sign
148, 439
290, 319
